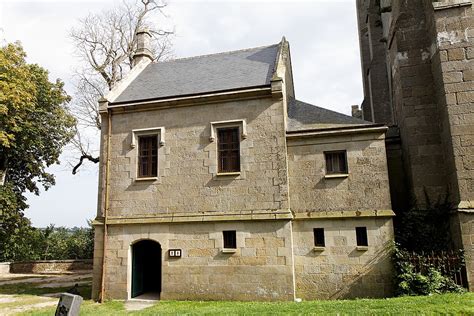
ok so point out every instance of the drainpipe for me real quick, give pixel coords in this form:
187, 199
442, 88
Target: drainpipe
103, 103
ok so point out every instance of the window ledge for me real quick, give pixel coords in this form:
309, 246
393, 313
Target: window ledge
319, 248
229, 250
147, 179
362, 248
335, 176
219, 174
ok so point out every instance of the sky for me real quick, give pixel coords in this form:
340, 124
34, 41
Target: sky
324, 51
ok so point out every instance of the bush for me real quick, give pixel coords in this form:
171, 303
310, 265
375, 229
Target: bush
422, 280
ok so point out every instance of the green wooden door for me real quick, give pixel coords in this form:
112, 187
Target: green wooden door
137, 270
146, 267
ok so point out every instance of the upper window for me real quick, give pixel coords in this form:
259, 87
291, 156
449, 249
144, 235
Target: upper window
336, 162
147, 156
228, 149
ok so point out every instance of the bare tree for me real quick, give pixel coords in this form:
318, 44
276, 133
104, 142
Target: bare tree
105, 44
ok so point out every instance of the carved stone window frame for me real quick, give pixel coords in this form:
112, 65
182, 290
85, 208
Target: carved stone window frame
148, 131
160, 134
242, 125
231, 123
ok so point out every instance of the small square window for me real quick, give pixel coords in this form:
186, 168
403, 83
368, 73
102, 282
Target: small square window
319, 237
147, 156
361, 236
336, 162
230, 240
228, 149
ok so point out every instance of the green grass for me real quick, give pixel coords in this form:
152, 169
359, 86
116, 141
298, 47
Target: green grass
446, 304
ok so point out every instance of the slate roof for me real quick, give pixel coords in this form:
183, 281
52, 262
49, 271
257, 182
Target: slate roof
209, 73
304, 116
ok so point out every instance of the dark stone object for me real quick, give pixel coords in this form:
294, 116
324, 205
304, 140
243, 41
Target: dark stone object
69, 304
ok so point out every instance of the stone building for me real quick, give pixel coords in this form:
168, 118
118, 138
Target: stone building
217, 183
418, 71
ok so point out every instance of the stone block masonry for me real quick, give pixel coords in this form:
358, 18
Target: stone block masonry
188, 160
355, 191
340, 269
429, 57
191, 232
259, 269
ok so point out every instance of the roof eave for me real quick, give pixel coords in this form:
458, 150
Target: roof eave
354, 129
194, 99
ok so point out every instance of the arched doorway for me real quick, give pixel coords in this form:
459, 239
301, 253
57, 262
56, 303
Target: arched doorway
146, 269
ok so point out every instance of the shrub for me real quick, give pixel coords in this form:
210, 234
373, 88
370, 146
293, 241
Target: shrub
425, 278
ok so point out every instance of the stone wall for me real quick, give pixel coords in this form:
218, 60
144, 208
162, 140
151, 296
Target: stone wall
414, 101
188, 161
430, 59
4, 267
365, 188
50, 266
453, 65
340, 270
260, 269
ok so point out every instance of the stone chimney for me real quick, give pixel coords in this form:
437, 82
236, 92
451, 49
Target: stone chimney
356, 112
143, 46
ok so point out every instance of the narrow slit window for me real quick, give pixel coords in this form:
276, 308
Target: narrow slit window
319, 237
230, 239
147, 156
361, 235
336, 162
228, 148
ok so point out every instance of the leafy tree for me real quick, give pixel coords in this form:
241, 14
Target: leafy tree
34, 126
105, 44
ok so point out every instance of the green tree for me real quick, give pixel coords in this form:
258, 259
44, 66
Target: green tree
34, 127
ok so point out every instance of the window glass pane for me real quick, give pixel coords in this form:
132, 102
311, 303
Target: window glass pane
148, 156
228, 147
336, 162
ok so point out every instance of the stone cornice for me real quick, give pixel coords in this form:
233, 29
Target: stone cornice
441, 5
198, 217
343, 214
257, 215
466, 206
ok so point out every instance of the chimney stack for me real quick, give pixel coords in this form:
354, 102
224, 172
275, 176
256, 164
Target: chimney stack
143, 46
356, 112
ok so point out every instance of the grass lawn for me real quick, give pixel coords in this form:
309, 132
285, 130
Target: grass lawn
452, 304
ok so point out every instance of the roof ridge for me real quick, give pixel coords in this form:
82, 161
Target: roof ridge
214, 54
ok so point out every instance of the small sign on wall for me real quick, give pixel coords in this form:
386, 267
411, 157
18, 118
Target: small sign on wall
174, 253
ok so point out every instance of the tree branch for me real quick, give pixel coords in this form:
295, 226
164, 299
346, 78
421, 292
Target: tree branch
81, 159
